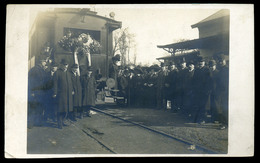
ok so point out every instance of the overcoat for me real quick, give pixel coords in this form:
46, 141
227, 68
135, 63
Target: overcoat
76, 84
201, 81
89, 90
37, 80
62, 88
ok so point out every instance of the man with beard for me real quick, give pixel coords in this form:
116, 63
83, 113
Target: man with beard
63, 91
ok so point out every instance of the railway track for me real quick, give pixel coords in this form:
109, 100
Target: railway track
105, 145
174, 137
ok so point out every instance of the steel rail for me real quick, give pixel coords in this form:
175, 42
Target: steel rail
96, 139
200, 147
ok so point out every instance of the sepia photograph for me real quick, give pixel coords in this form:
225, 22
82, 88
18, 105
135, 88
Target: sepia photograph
129, 80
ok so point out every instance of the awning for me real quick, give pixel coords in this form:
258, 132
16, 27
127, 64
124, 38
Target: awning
200, 43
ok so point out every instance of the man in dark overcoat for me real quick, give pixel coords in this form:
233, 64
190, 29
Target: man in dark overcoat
171, 80
138, 87
63, 91
160, 87
201, 91
77, 97
189, 93
215, 110
37, 79
88, 83
222, 96
181, 85
51, 111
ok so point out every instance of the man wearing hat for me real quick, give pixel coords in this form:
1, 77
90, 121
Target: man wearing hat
201, 87
223, 83
188, 104
88, 83
160, 93
63, 91
171, 83
182, 85
214, 105
36, 92
113, 69
51, 111
77, 97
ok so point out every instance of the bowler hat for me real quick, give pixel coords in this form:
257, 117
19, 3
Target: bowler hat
64, 61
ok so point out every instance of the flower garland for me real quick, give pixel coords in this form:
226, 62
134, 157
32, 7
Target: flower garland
82, 43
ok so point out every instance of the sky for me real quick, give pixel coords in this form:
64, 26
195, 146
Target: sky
157, 26
153, 25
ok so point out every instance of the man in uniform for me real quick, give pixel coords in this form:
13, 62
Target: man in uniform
63, 91
37, 80
201, 91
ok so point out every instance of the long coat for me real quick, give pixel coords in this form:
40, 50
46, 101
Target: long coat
37, 80
62, 88
201, 80
76, 84
89, 90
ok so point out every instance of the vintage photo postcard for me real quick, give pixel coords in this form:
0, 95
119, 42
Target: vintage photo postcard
146, 80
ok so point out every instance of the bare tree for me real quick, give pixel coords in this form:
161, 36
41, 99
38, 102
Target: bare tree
123, 42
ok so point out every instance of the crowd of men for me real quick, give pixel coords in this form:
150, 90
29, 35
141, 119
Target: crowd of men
57, 92
198, 90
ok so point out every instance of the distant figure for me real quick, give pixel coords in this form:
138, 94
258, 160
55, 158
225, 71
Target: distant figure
63, 92
88, 83
113, 69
